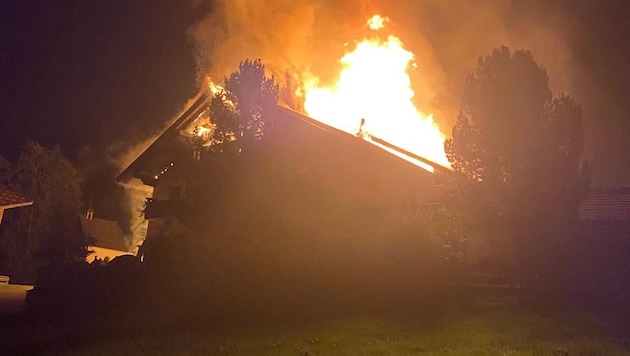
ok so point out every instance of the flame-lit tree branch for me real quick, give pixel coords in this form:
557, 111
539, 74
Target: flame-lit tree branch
241, 112
241, 115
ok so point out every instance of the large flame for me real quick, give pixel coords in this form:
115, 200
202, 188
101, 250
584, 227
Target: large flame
374, 85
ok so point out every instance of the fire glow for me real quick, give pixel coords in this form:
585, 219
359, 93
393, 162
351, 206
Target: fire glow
374, 85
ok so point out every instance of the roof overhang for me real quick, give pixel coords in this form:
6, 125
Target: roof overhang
10, 200
196, 106
17, 205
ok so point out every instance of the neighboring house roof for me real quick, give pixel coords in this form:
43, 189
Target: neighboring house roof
104, 233
9, 199
606, 206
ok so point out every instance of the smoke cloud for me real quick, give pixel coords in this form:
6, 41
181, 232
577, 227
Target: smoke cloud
136, 194
301, 39
121, 155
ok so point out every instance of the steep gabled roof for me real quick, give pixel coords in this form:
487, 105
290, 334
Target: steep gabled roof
153, 159
342, 135
161, 142
606, 206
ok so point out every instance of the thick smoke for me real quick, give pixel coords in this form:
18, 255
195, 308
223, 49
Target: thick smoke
300, 39
122, 202
136, 195
122, 153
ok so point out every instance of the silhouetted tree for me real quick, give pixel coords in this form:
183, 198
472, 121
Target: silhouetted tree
516, 150
47, 231
242, 111
242, 114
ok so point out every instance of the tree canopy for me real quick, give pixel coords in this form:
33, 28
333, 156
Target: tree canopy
516, 150
241, 112
48, 230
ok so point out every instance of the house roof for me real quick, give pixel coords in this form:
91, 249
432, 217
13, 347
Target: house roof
606, 205
9, 199
104, 233
154, 158
150, 160
344, 136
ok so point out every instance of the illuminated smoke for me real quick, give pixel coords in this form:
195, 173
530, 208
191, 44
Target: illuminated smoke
301, 40
374, 89
136, 194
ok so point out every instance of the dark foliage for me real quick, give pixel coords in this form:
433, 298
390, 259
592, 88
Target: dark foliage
48, 231
516, 150
82, 291
241, 112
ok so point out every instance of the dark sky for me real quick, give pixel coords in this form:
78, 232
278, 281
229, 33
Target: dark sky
79, 73
598, 33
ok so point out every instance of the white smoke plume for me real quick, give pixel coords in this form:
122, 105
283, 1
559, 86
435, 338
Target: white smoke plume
136, 194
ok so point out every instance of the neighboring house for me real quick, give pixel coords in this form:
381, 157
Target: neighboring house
302, 149
10, 200
605, 213
603, 245
105, 238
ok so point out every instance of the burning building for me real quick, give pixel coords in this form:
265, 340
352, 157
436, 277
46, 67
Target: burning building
302, 153
363, 140
313, 212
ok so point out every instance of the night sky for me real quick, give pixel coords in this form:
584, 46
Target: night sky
597, 34
93, 73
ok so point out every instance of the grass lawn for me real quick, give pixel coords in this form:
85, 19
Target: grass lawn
488, 330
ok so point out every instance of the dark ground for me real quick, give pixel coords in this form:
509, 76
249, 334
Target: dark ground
458, 322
